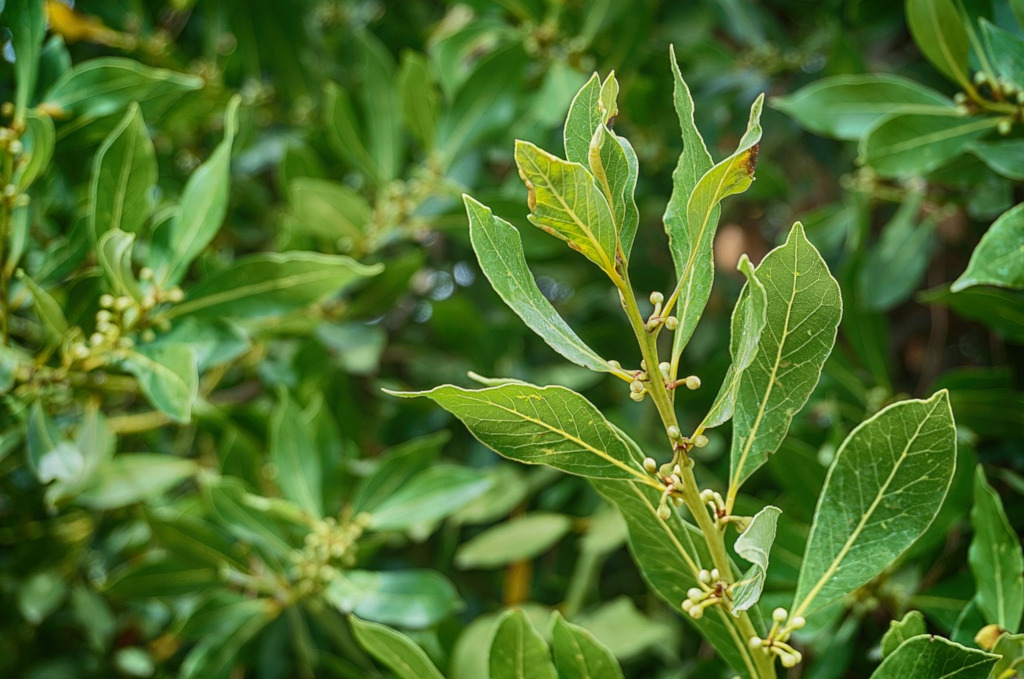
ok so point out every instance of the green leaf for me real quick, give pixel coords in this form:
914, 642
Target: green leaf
265, 284
51, 455
428, 497
114, 253
748, 321
1007, 52
905, 145
417, 87
999, 258
127, 479
106, 85
1000, 309
936, 658
204, 202
1003, 156
162, 578
344, 134
899, 631
294, 453
499, 250
803, 312
195, 539
1011, 648
938, 29
884, 487
93, 448
729, 177
394, 650
27, 23
168, 375
847, 106
521, 539
228, 631
408, 598
541, 425
47, 309
578, 655
518, 651
329, 210
582, 121
895, 266
670, 554
124, 176
754, 545
396, 466
40, 595
381, 105
565, 202
613, 163
38, 140
996, 559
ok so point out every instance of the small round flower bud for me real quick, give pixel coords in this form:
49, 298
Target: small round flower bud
787, 660
699, 441
754, 643
673, 432
693, 383
106, 301
146, 274
636, 397
126, 343
96, 339
175, 294
696, 612
614, 365
687, 605
643, 365
694, 594
636, 386
779, 615
650, 465
705, 577
980, 78
798, 622
80, 351
714, 574
1005, 126
671, 322
664, 512
148, 335
657, 298
122, 302
16, 147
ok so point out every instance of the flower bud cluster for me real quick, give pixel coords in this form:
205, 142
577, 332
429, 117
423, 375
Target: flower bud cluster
712, 591
775, 643
656, 319
671, 475
713, 499
329, 548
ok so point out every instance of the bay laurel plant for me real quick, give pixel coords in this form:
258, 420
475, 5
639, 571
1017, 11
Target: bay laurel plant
695, 549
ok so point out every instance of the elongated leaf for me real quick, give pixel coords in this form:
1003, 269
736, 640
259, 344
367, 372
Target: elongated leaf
1000, 309
329, 209
260, 285
123, 178
50, 453
408, 598
670, 554
1006, 50
729, 177
381, 105
1011, 648
882, 491
396, 466
293, 450
518, 651
344, 133
429, 497
578, 655
899, 631
500, 252
127, 479
394, 650
754, 545
999, 258
204, 202
47, 309
937, 28
27, 23
520, 539
694, 162
1002, 156
230, 628
196, 539
936, 658
911, 144
38, 141
803, 312
541, 425
748, 320
565, 202
162, 578
114, 253
996, 559
847, 106
420, 98
169, 377
582, 121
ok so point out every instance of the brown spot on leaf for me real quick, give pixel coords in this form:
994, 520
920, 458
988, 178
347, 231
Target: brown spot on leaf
531, 199
752, 159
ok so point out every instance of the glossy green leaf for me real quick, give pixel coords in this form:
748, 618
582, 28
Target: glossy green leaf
124, 176
38, 141
998, 308
51, 454
541, 425
754, 545
578, 655
565, 202
196, 539
394, 650
92, 449
729, 177
26, 21
47, 309
396, 466
127, 479
40, 595
417, 87
996, 559
114, 253
518, 651
999, 257
229, 630
294, 453
106, 85
499, 250
582, 121
169, 377
329, 210
886, 484
936, 658
215, 341
938, 29
1006, 51
344, 133
670, 554
407, 598
905, 145
748, 320
159, 578
265, 284
1011, 649
204, 202
521, 539
428, 497
899, 631
847, 106
803, 312
1003, 156
381, 104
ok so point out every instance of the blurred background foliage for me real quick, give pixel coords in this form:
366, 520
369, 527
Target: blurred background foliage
230, 537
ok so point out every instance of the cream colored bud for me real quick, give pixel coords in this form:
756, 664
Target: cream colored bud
754, 643
699, 441
664, 512
175, 294
650, 465
671, 322
146, 274
614, 365
714, 574
80, 351
797, 623
106, 301
693, 383
96, 339
673, 432
694, 594
636, 397
123, 302
657, 298
779, 615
